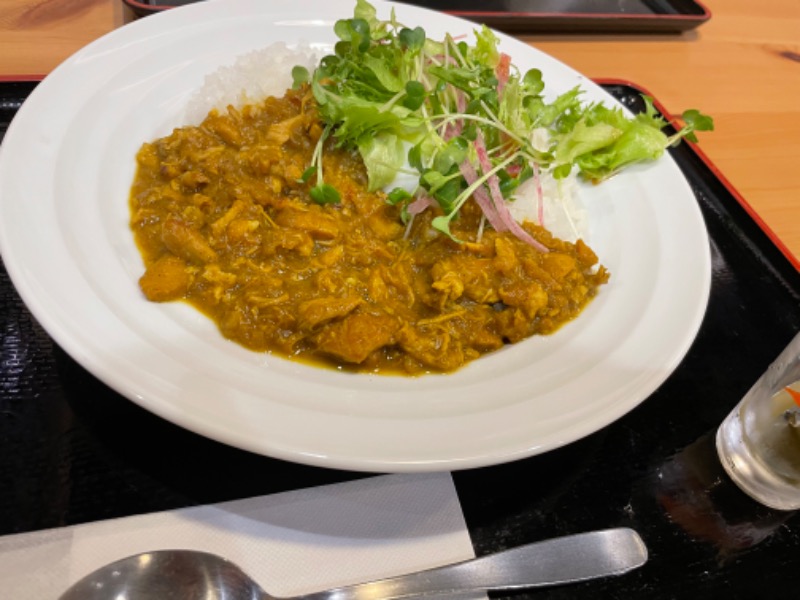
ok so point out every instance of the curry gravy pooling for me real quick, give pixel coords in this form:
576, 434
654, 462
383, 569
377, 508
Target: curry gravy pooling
224, 221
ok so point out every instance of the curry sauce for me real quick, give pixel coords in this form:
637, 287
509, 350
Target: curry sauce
223, 218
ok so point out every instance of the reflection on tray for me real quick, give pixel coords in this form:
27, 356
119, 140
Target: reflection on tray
697, 494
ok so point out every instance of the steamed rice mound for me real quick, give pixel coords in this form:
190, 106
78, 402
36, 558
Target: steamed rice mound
250, 79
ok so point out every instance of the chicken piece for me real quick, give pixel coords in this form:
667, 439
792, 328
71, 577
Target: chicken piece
530, 297
513, 325
378, 292
219, 226
312, 220
166, 279
242, 231
193, 181
280, 240
216, 282
506, 259
585, 254
474, 273
184, 241
435, 349
280, 133
353, 339
450, 286
332, 256
225, 128
322, 310
484, 340
385, 226
558, 265
399, 283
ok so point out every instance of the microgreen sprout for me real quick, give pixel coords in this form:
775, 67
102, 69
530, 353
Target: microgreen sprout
321, 193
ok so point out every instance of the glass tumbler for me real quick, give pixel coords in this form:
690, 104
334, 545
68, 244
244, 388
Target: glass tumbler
759, 441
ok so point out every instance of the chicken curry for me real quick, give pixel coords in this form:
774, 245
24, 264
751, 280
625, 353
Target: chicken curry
223, 218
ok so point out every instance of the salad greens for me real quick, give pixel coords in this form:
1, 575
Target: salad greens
463, 120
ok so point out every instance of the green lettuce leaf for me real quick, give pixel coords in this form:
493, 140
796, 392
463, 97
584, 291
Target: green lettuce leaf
384, 155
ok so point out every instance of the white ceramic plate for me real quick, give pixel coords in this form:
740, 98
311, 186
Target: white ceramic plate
65, 169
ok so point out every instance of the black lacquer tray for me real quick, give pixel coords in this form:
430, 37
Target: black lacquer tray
72, 451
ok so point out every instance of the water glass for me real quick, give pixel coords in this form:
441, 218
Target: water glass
759, 441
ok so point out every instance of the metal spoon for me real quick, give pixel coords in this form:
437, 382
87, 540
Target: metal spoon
193, 575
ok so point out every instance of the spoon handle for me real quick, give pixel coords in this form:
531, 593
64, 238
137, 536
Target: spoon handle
551, 562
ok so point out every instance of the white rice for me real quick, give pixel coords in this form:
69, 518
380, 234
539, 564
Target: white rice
563, 213
250, 79
268, 72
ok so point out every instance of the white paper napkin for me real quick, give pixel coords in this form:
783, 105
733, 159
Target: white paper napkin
291, 543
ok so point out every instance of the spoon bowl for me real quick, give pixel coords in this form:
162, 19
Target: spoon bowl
195, 575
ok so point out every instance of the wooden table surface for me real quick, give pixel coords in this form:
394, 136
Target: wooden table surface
742, 67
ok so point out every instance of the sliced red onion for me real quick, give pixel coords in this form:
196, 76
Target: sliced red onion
517, 229
537, 180
481, 197
499, 202
420, 204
